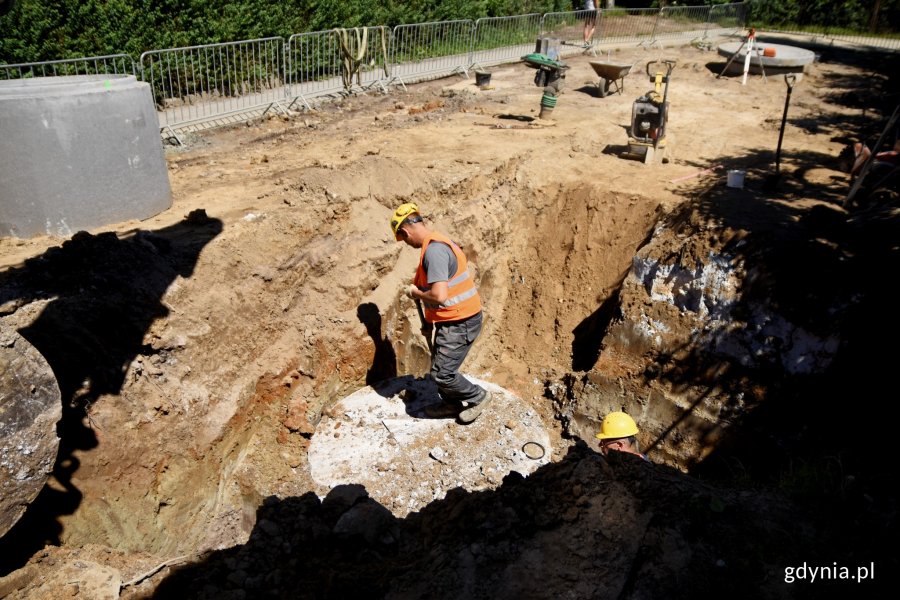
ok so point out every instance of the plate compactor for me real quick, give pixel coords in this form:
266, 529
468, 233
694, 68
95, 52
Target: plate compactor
649, 114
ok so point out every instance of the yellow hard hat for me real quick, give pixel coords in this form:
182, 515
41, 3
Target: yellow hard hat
617, 425
403, 211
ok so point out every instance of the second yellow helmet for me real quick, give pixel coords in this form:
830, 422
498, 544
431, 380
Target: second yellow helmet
617, 425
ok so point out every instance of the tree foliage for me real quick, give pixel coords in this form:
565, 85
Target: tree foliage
875, 16
36, 30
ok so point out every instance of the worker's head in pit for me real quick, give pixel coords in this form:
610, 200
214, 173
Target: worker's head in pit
408, 226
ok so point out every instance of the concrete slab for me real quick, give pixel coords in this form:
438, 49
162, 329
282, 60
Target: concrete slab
380, 438
787, 59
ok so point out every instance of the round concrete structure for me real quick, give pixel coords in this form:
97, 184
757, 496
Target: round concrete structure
78, 152
786, 59
380, 438
30, 408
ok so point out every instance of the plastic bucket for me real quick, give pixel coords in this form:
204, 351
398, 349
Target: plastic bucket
736, 178
482, 79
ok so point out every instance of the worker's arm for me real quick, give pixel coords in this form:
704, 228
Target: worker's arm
436, 295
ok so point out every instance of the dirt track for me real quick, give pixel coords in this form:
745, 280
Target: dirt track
199, 349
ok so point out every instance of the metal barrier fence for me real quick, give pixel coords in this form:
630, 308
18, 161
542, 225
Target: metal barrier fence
823, 35
569, 28
204, 83
113, 64
725, 19
340, 60
620, 25
504, 39
681, 22
882, 40
430, 50
198, 83
883, 43
312, 68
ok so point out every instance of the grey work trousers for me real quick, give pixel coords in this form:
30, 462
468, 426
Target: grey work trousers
452, 342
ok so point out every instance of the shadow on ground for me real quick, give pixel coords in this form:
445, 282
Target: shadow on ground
102, 294
794, 406
584, 527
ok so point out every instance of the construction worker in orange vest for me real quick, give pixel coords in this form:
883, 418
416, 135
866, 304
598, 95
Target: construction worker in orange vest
617, 433
446, 289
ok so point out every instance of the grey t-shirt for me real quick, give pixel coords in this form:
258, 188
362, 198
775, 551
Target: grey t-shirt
439, 262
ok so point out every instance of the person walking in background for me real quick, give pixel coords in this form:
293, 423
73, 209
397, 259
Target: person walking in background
617, 433
445, 287
590, 21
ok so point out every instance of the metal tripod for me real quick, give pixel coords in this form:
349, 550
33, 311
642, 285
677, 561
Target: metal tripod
750, 42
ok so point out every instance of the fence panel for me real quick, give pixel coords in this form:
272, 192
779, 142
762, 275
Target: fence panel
329, 62
570, 28
621, 25
113, 64
886, 43
726, 19
198, 83
682, 22
370, 48
886, 38
430, 50
314, 65
504, 39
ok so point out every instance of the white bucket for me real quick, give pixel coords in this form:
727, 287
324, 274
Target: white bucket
736, 178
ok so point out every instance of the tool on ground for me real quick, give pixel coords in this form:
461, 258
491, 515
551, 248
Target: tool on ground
427, 328
536, 124
650, 115
550, 75
696, 174
790, 80
752, 48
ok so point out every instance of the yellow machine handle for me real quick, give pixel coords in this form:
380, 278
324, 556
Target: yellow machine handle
659, 77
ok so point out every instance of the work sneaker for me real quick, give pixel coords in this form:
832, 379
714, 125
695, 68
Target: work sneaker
443, 410
471, 413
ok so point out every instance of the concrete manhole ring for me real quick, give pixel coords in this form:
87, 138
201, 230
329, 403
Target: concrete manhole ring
380, 438
30, 408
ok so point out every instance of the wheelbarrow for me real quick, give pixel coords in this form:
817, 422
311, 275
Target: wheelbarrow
610, 73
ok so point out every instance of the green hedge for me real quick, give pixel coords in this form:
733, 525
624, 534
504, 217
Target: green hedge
833, 16
38, 30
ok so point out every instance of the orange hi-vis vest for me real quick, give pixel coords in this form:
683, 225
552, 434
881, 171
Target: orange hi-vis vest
462, 296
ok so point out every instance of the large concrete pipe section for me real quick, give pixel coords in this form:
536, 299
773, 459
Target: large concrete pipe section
30, 408
78, 152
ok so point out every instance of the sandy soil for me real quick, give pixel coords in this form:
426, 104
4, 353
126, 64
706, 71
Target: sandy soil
197, 351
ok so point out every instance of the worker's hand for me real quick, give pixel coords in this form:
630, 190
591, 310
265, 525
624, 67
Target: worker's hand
411, 291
